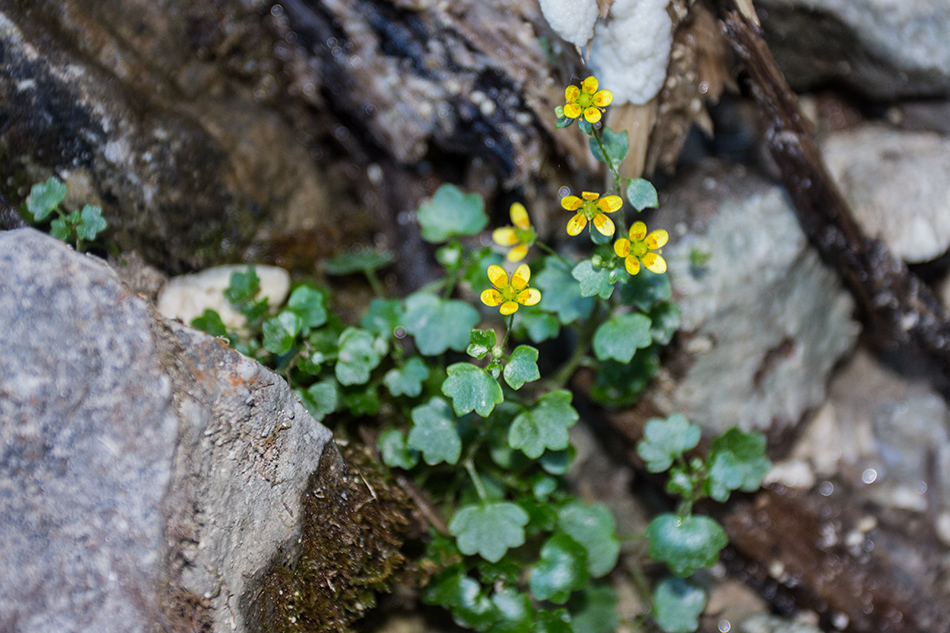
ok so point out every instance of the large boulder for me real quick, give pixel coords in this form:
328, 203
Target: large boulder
150, 477
880, 48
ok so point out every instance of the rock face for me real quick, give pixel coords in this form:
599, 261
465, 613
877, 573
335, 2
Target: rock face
148, 474
896, 182
764, 321
880, 48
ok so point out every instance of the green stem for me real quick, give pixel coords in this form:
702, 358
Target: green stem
607, 160
375, 283
550, 251
504, 341
559, 380
479, 487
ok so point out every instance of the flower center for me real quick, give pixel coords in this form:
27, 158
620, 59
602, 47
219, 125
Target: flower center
585, 100
639, 249
589, 209
508, 293
524, 236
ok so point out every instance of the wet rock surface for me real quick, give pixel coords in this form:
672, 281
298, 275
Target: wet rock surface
764, 321
885, 50
148, 474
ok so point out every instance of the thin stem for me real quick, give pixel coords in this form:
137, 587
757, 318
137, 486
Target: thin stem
479, 487
504, 341
580, 350
550, 251
375, 283
607, 160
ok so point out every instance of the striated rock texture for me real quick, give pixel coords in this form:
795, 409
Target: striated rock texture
150, 478
880, 48
764, 321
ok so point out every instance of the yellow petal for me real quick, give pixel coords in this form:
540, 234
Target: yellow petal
632, 265
638, 231
518, 253
604, 224
571, 94
491, 297
603, 98
610, 204
520, 277
655, 263
572, 110
519, 216
571, 203
592, 114
528, 297
590, 85
509, 307
504, 236
577, 224
657, 239
622, 247
590, 195
498, 276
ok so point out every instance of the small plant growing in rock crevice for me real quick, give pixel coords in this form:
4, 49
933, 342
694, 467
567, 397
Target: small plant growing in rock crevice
79, 227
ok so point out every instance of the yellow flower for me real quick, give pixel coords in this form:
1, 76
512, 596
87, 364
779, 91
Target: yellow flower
586, 100
642, 248
521, 235
509, 294
592, 208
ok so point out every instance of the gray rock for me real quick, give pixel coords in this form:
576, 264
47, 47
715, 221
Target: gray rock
896, 182
773, 624
764, 321
148, 474
880, 48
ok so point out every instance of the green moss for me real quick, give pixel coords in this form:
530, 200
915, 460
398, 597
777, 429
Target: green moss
354, 525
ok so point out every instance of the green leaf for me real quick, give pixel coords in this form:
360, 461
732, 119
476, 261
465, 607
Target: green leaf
621, 336
394, 451
211, 323
483, 341
91, 223
664, 440
478, 262
593, 527
560, 292
620, 384
44, 197
537, 325
361, 400
737, 461
439, 324
517, 612
489, 530
615, 145
243, 286
471, 608
685, 544
558, 462
679, 483
471, 389
522, 367
360, 353
357, 261
383, 316
62, 228
585, 126
560, 570
544, 426
665, 319
320, 399
557, 621
450, 256
593, 281
646, 289
407, 380
451, 212
309, 304
504, 572
281, 331
677, 605
596, 611
642, 195
435, 433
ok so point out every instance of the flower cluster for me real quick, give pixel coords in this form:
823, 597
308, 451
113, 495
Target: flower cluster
586, 100
592, 208
509, 294
521, 235
642, 248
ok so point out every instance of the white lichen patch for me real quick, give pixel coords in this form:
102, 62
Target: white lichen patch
573, 20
